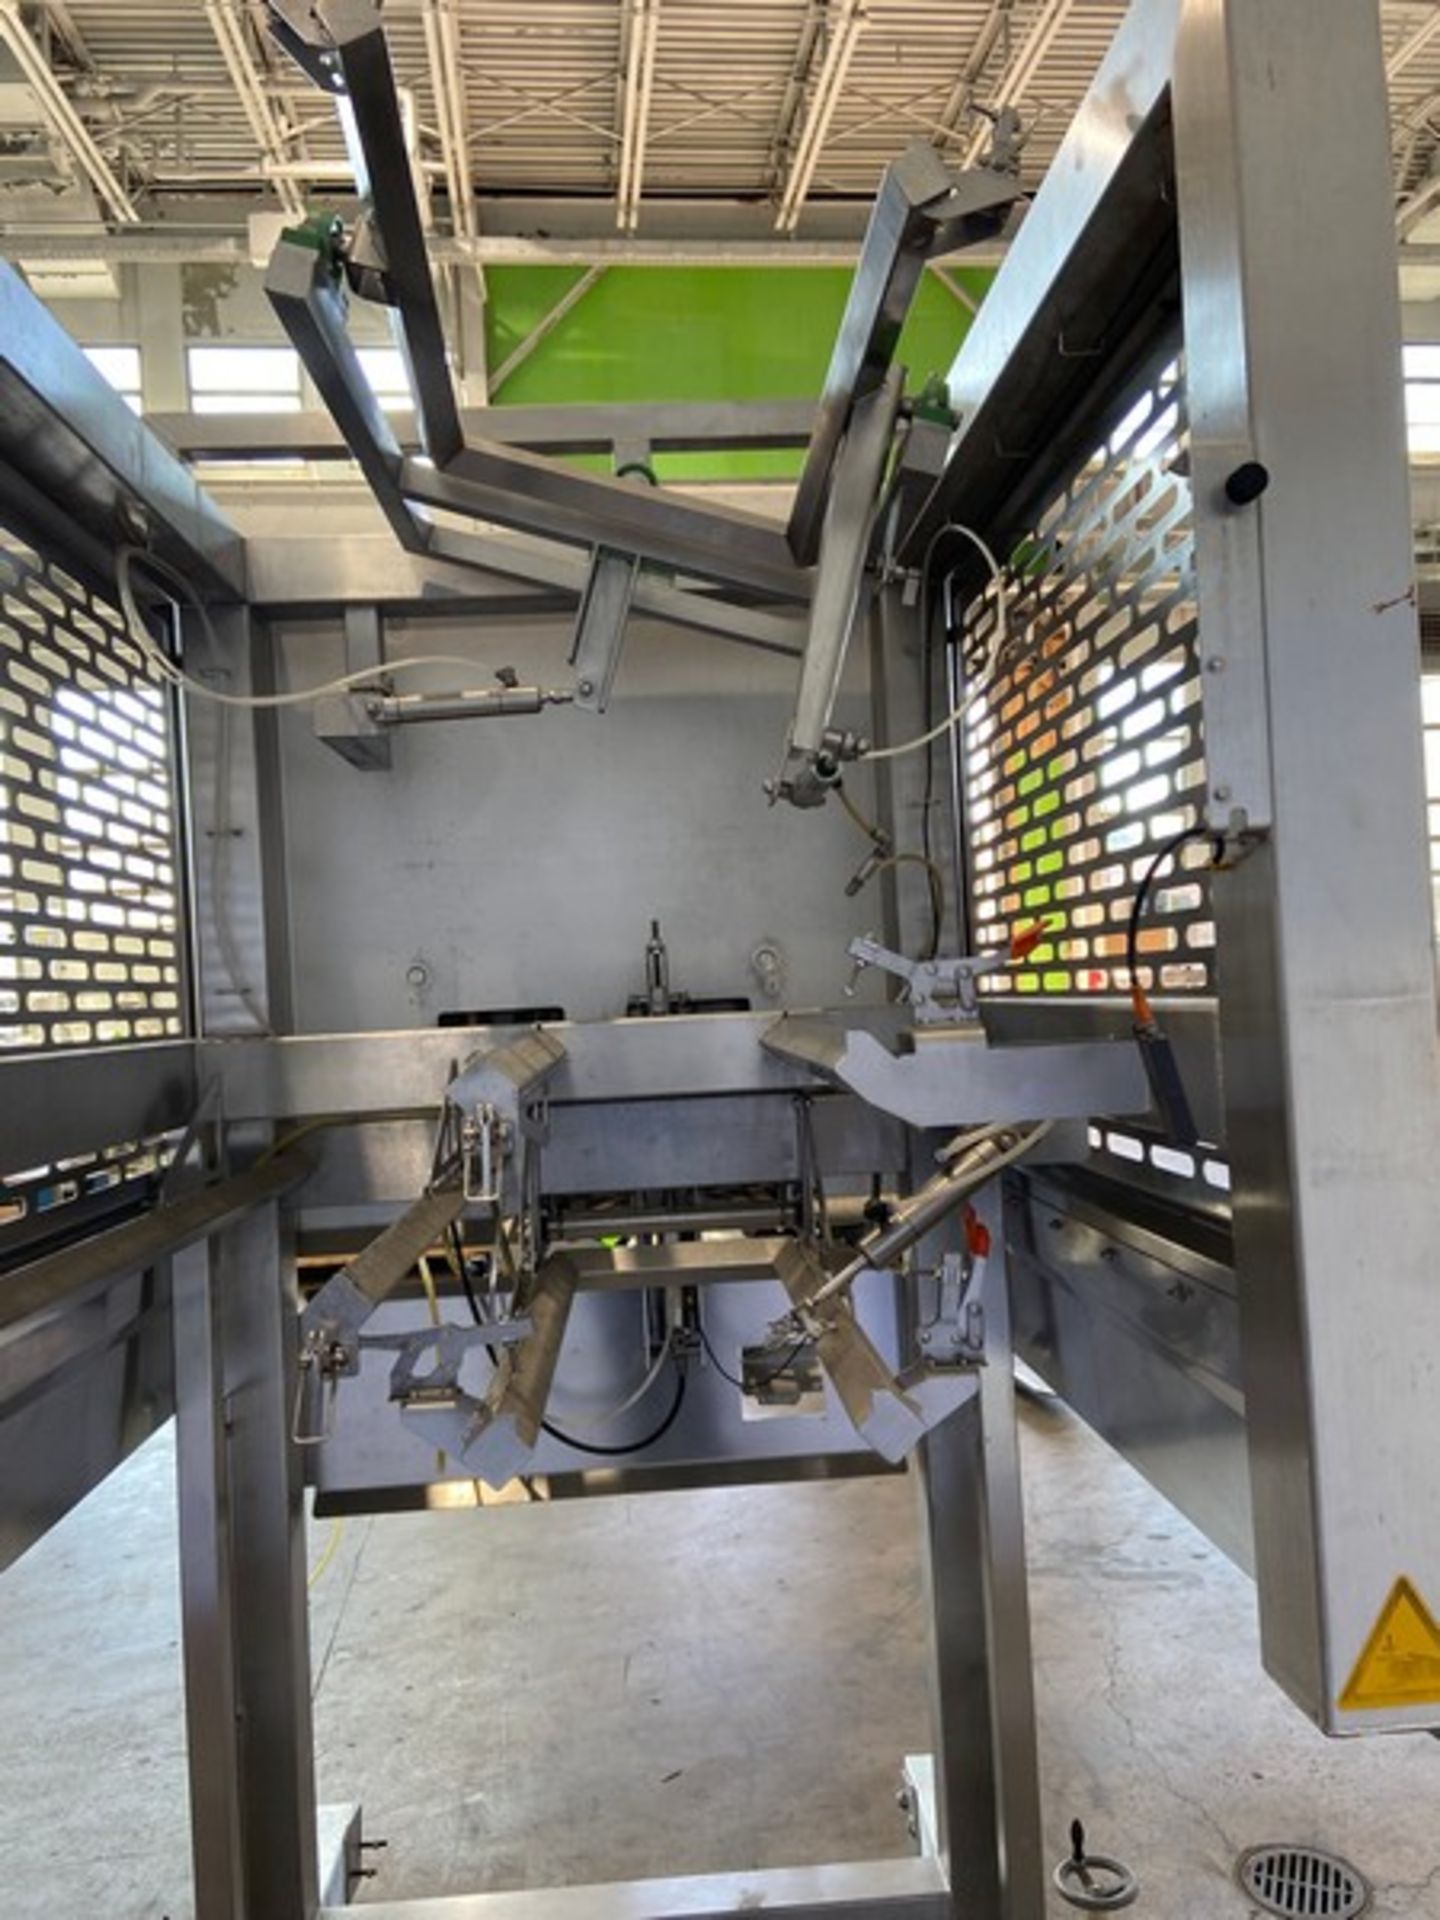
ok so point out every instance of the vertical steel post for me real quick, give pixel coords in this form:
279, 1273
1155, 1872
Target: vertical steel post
987, 1793
268, 1569
1313, 742
205, 1590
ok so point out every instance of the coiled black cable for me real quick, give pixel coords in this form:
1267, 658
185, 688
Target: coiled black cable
632, 1446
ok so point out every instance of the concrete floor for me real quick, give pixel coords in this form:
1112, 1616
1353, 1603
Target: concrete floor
679, 1683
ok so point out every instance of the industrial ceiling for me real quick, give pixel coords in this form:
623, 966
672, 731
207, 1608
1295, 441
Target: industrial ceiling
156, 128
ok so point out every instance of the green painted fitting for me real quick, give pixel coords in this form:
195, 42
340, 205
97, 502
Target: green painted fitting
322, 233
933, 402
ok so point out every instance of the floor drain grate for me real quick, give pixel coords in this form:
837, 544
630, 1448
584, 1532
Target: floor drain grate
1303, 1881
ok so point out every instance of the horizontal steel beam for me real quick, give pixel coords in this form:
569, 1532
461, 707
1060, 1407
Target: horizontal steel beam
683, 427
500, 576
690, 1055
706, 234
297, 577
906, 1889
653, 594
63, 1279
508, 487
687, 1263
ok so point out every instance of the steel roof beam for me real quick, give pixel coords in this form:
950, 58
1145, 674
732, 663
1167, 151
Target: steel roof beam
845, 29
249, 84
1031, 57
442, 50
642, 36
60, 111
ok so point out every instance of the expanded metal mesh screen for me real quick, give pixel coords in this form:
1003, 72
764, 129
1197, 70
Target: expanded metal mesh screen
89, 892
1086, 751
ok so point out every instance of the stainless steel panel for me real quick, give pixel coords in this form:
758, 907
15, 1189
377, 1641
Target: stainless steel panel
1328, 1007
1192, 1026
872, 1890
1139, 1330
691, 1055
365, 1173
521, 871
56, 1105
958, 1079
79, 1389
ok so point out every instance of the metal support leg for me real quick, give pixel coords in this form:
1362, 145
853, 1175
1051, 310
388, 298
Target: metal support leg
268, 1575
986, 1773
205, 1591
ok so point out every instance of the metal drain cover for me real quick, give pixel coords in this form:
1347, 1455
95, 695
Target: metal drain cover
1303, 1880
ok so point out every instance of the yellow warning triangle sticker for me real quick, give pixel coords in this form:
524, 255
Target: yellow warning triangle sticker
1400, 1665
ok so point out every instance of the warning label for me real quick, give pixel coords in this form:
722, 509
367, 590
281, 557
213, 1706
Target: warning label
1400, 1666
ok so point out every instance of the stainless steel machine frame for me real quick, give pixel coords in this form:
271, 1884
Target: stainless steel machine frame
1190, 206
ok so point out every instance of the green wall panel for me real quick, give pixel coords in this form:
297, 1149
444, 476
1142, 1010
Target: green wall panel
700, 333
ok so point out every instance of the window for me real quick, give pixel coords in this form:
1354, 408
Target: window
1422, 401
244, 379
121, 367
384, 368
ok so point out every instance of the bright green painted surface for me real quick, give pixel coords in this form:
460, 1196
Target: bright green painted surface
700, 333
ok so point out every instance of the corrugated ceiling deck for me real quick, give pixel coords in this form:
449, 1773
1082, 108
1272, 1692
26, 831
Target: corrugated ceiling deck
544, 97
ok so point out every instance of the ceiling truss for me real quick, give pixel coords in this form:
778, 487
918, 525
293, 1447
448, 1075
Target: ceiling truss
562, 121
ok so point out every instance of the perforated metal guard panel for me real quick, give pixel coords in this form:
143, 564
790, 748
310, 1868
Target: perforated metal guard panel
30, 1195
89, 915
1086, 753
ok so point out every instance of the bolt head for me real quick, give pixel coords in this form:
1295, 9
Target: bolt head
585, 688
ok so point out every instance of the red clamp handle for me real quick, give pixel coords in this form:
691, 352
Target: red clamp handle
1024, 944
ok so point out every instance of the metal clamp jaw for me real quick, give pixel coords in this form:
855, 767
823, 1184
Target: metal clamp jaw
954, 1335
486, 1141
943, 991
449, 1346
